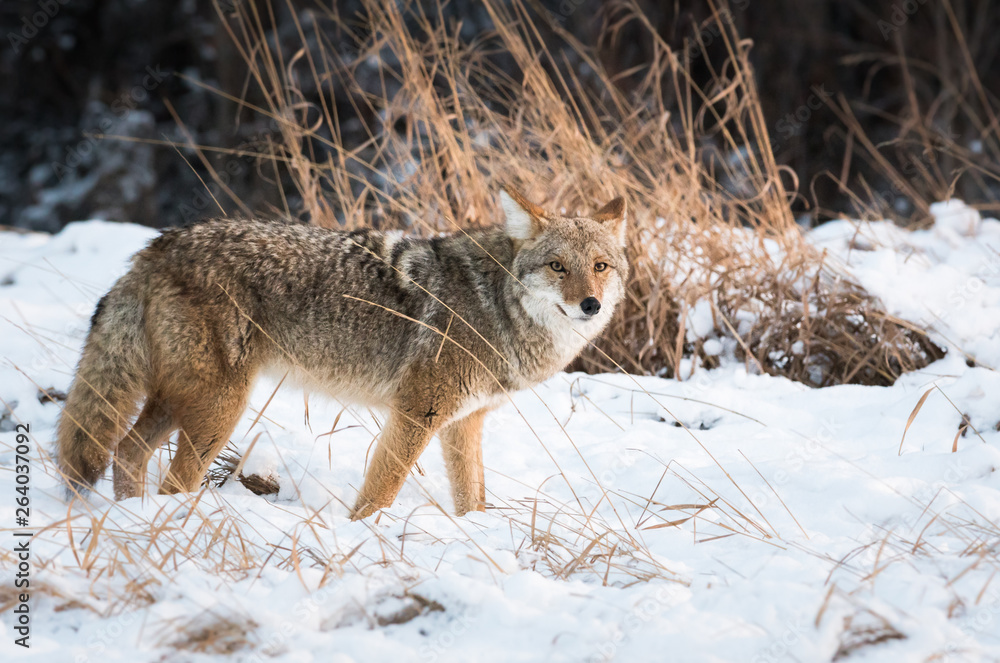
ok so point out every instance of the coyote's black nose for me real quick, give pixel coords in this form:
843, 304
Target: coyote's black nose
590, 305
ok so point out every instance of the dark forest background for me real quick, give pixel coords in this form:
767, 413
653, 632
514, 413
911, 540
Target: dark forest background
855, 95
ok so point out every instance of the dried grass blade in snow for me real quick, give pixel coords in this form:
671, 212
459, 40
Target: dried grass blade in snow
913, 415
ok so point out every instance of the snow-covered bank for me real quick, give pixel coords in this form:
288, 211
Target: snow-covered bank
945, 278
777, 523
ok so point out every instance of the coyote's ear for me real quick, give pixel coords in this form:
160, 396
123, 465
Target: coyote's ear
615, 216
525, 220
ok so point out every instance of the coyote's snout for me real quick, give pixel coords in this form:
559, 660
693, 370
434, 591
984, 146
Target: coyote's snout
435, 331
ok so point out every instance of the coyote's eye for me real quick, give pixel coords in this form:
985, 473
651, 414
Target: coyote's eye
600, 267
557, 266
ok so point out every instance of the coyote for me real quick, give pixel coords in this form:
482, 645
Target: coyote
435, 331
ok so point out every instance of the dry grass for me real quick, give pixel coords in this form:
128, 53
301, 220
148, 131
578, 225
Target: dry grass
932, 93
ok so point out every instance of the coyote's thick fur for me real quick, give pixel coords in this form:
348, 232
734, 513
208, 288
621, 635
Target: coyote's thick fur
434, 330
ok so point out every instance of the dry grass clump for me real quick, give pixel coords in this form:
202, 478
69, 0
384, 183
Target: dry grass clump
221, 635
228, 463
874, 630
823, 330
447, 125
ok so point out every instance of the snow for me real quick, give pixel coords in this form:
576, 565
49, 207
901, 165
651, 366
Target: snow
729, 517
946, 278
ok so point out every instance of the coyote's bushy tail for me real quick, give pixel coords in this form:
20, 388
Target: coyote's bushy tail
103, 397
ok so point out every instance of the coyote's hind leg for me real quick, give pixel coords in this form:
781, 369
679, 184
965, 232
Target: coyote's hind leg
205, 429
151, 429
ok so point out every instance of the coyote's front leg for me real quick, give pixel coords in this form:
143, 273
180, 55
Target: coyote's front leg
462, 444
403, 439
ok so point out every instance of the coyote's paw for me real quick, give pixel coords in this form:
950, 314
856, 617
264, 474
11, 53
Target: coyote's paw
363, 509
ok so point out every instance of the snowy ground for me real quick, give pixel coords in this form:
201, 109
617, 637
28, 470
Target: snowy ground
777, 523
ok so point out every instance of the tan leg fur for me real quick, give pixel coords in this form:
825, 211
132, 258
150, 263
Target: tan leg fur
461, 442
205, 430
151, 429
